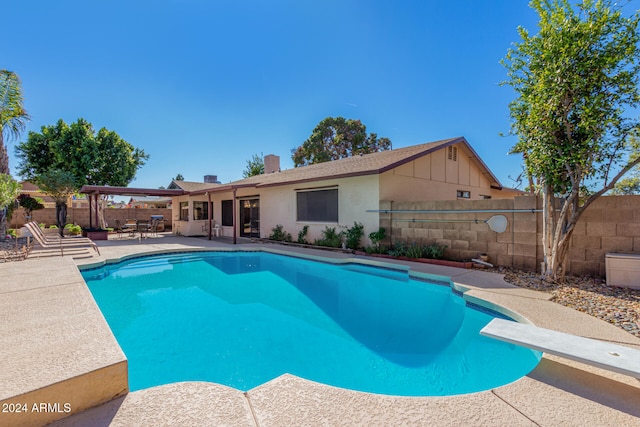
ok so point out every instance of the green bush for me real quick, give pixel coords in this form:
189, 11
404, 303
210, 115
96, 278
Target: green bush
302, 235
53, 226
414, 251
377, 236
278, 234
377, 249
434, 251
399, 249
330, 238
73, 229
353, 235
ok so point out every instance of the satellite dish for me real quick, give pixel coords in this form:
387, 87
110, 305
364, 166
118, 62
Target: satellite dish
498, 223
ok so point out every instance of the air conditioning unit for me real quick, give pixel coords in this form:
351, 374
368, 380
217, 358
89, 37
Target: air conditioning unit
623, 270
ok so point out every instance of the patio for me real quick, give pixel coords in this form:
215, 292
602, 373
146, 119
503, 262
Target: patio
57, 348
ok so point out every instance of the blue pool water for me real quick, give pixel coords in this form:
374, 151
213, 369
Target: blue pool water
244, 318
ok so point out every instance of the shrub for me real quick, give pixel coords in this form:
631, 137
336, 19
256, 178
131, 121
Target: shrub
414, 251
353, 235
377, 236
434, 251
278, 234
330, 238
53, 226
376, 249
399, 249
73, 229
302, 235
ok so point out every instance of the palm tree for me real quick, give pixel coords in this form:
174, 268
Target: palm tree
13, 117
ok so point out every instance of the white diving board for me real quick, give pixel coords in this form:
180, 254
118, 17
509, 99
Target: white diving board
613, 357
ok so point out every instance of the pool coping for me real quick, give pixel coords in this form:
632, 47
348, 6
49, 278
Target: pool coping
573, 389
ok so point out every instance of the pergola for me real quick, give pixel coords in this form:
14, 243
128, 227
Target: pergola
98, 190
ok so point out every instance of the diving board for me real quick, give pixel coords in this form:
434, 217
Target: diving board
613, 357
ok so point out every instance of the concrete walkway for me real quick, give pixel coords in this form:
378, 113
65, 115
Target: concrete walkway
56, 347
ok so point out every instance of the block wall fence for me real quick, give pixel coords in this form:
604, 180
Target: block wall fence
80, 216
610, 225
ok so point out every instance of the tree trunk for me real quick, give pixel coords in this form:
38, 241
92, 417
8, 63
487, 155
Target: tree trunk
61, 217
4, 157
3, 223
557, 232
548, 251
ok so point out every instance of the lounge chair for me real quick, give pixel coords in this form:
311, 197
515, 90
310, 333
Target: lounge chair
59, 244
54, 238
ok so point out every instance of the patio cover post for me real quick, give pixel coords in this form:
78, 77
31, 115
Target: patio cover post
210, 213
89, 199
235, 190
96, 208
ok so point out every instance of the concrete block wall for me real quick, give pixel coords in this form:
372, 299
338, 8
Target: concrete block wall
610, 224
80, 216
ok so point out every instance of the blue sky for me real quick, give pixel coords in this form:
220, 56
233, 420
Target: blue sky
224, 80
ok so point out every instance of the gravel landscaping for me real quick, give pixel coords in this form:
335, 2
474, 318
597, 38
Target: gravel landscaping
14, 249
619, 306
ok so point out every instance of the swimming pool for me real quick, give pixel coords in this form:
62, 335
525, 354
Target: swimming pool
244, 318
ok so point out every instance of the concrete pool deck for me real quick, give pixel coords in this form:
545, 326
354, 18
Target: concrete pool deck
57, 350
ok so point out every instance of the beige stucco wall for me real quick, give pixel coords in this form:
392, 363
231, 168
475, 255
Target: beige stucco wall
434, 177
356, 195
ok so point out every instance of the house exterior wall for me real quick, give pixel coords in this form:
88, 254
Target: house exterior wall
356, 195
278, 206
435, 177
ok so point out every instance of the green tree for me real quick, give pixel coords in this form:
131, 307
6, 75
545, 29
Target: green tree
13, 116
59, 184
337, 138
9, 189
627, 186
179, 177
30, 204
92, 158
574, 82
255, 166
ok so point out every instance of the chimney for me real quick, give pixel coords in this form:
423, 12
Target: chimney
211, 179
271, 163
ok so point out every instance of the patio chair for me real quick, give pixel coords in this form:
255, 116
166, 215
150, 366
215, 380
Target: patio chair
121, 229
143, 226
59, 244
153, 229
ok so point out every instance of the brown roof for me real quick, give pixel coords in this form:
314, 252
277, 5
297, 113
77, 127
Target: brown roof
190, 186
368, 164
129, 191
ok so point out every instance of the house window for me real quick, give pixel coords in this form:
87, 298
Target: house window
463, 194
184, 211
452, 153
484, 196
227, 213
200, 210
318, 205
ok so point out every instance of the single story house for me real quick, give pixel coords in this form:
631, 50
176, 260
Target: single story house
336, 193
31, 189
149, 202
